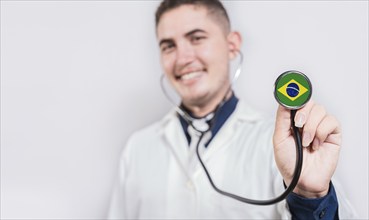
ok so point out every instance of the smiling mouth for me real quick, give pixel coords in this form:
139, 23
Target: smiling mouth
190, 75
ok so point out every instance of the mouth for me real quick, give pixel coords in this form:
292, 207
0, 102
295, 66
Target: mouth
191, 75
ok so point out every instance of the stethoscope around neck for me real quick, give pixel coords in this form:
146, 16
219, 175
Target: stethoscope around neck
205, 124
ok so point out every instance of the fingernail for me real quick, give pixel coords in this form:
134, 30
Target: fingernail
300, 120
306, 139
316, 144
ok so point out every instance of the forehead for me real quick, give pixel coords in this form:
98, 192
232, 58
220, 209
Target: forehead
183, 19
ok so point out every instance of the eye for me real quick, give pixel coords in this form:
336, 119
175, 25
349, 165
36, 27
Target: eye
197, 39
167, 47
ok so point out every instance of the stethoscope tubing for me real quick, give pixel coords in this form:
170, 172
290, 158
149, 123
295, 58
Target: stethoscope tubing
296, 133
288, 190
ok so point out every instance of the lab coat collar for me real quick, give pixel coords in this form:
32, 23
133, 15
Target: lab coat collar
242, 112
220, 116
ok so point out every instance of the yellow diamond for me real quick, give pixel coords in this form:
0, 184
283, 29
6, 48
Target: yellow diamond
283, 90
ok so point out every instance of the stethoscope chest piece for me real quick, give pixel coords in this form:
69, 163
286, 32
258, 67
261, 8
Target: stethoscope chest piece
292, 89
200, 125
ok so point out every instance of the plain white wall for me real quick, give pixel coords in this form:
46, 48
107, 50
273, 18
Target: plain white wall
78, 77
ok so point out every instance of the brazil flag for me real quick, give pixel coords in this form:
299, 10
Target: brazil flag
292, 89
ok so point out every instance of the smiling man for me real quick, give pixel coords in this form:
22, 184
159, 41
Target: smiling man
195, 51
160, 176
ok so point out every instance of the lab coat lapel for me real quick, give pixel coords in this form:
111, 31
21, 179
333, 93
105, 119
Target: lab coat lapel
220, 142
223, 139
176, 140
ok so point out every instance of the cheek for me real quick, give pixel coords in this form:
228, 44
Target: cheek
216, 56
167, 62
217, 62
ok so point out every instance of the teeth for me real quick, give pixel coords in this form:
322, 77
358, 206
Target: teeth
191, 75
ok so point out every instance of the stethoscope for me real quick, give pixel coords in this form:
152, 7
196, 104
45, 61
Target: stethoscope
292, 90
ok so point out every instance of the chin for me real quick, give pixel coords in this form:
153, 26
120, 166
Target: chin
197, 99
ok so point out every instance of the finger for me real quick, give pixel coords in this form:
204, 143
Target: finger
283, 120
283, 125
329, 130
302, 114
315, 117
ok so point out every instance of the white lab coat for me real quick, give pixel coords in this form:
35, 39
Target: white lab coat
159, 176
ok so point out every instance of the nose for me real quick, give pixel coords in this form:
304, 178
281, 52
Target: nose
185, 54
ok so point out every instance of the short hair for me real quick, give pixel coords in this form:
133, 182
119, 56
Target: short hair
214, 7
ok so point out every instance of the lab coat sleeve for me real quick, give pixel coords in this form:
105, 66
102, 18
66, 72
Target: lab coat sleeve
117, 208
345, 209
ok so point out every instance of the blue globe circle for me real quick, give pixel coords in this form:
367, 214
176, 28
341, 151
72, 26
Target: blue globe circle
292, 89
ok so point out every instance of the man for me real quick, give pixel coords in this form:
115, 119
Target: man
160, 176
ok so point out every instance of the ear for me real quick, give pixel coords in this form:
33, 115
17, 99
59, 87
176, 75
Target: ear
234, 43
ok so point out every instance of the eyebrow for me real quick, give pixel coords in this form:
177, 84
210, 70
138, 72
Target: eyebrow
168, 40
193, 32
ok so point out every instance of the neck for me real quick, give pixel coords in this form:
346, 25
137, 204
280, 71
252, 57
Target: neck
205, 109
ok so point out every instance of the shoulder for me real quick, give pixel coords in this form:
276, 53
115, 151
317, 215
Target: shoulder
153, 130
253, 127
151, 134
245, 114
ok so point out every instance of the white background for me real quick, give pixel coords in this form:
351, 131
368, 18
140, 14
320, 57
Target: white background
78, 77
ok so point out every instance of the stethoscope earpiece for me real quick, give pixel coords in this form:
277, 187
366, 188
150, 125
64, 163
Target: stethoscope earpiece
292, 89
